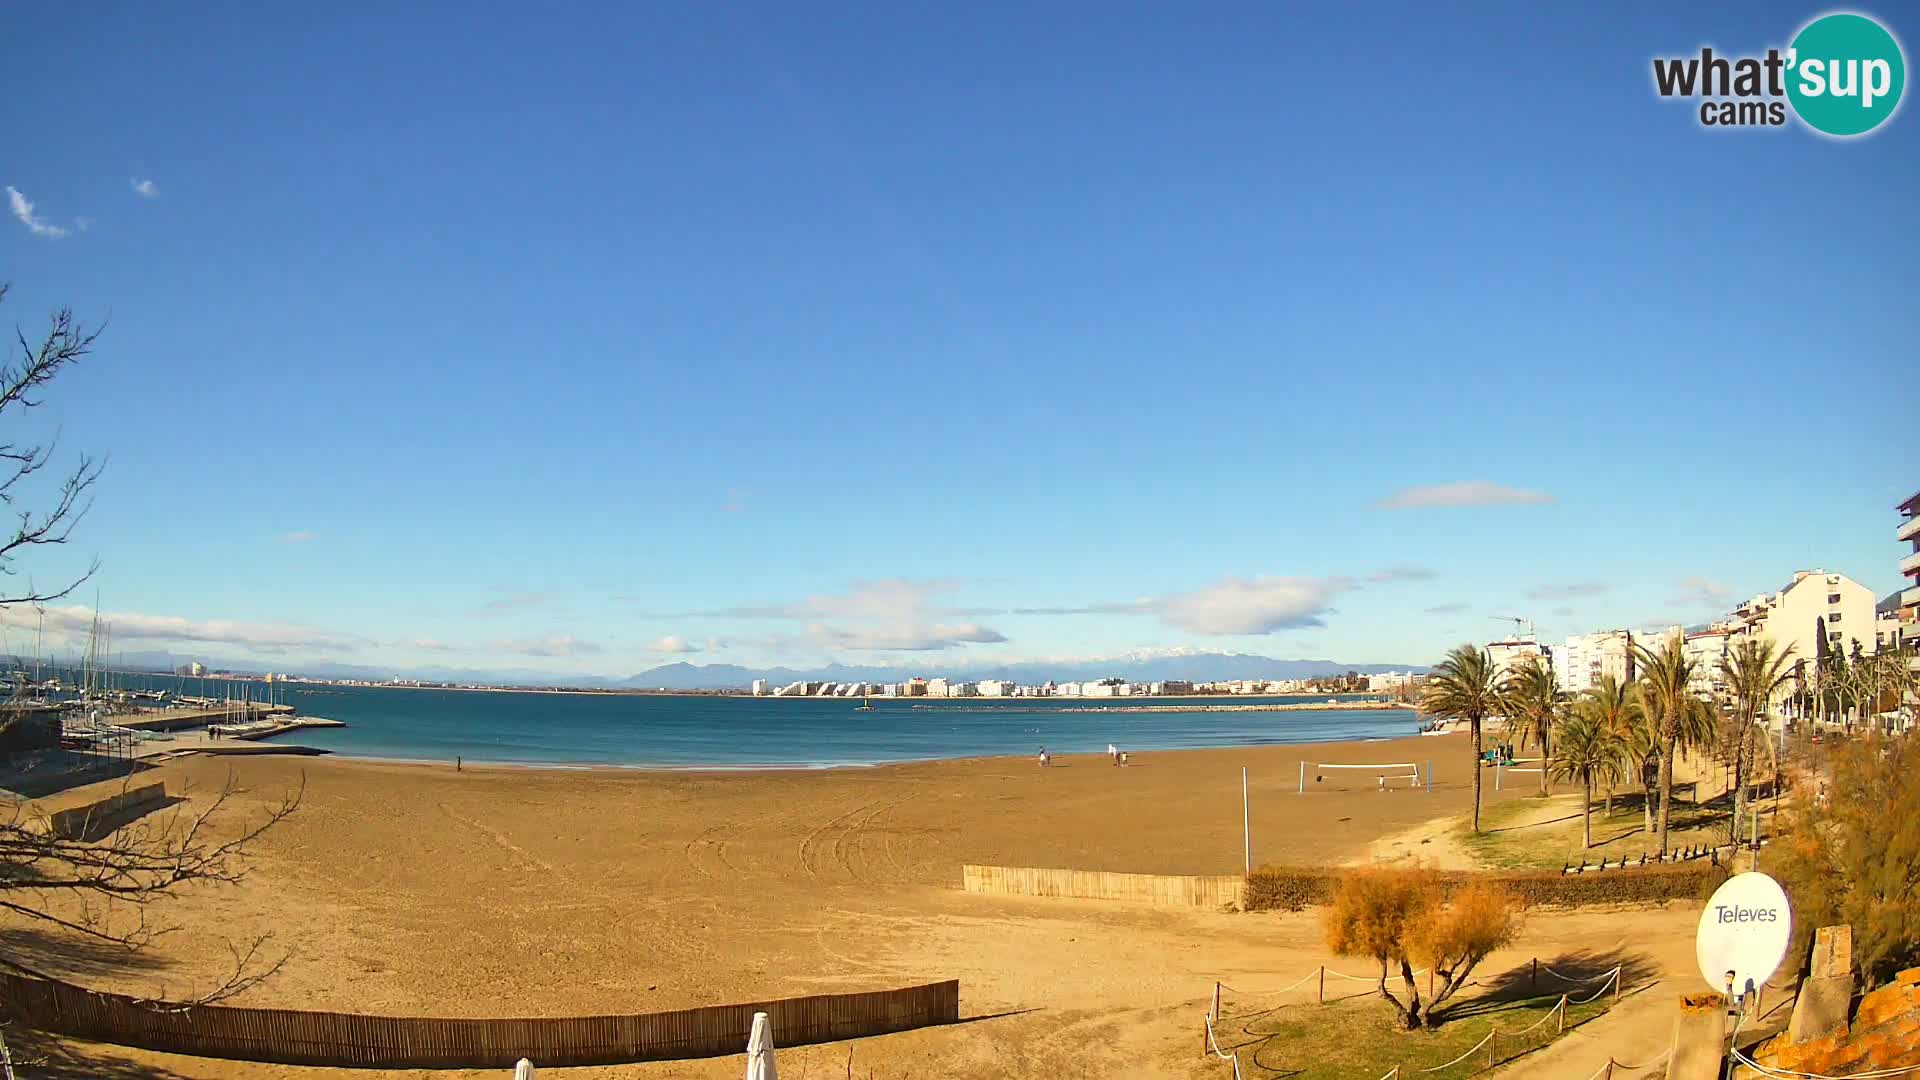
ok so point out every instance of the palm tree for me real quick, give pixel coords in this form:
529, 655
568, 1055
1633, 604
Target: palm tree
1754, 673
1532, 700
1612, 705
1586, 750
1643, 745
1672, 709
1463, 687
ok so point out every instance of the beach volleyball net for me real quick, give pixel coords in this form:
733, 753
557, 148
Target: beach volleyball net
1345, 776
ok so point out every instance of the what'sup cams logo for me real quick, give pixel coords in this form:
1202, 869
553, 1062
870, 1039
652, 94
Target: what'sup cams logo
1842, 76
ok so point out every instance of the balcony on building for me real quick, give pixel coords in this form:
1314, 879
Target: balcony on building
1910, 566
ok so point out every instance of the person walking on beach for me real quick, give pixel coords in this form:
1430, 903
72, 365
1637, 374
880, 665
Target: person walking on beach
1043, 757
1114, 753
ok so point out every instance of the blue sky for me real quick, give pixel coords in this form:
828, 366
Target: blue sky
587, 337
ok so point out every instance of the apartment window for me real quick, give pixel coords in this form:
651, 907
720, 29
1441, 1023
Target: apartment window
1833, 598
1833, 618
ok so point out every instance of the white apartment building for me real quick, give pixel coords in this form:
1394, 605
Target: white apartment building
1507, 654
995, 688
1814, 613
759, 687
1381, 681
1068, 689
1708, 649
936, 688
1909, 533
1583, 659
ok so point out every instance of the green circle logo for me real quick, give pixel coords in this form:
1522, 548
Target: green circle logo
1845, 74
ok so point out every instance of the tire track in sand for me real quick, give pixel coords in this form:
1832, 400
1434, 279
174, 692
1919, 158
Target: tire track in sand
809, 849
500, 838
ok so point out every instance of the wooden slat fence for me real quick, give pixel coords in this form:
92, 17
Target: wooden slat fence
1190, 891
291, 1037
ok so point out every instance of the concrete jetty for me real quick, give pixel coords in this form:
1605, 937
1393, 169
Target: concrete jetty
177, 719
268, 727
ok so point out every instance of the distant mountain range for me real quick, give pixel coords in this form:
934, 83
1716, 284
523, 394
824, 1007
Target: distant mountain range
1133, 667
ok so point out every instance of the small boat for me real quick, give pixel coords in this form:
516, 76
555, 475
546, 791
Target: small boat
866, 704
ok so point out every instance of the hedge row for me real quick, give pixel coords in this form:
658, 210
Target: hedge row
1292, 888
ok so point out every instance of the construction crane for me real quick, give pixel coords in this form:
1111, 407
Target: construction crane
1522, 628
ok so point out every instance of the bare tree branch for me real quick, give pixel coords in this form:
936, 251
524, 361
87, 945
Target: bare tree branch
67, 341
102, 889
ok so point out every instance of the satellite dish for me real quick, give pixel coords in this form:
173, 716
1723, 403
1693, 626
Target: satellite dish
1744, 930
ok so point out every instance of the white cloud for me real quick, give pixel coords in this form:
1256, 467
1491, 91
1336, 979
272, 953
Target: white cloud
552, 645
145, 189
1567, 591
1465, 493
1698, 592
672, 643
512, 602
76, 621
908, 638
1252, 606
294, 538
23, 209
1452, 608
1402, 573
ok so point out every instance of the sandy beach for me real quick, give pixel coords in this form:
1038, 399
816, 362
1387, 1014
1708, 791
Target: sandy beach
416, 889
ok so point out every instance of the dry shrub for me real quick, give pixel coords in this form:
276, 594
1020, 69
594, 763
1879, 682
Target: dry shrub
1480, 917
1399, 916
1854, 857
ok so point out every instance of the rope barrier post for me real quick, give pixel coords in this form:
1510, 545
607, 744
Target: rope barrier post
1323, 984
1534, 984
1609, 1073
1563, 1014
1206, 1043
1617, 980
1303, 778
1216, 1001
1490, 1049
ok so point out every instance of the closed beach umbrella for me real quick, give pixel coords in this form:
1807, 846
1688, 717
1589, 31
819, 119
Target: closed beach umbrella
524, 1070
760, 1049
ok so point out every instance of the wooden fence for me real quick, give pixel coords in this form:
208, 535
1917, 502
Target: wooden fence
95, 818
1189, 891
288, 1037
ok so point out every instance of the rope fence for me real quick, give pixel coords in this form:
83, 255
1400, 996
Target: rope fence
1213, 1047
1606, 1071
1602, 983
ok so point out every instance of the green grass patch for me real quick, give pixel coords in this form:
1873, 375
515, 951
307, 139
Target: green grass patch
1504, 843
1361, 1038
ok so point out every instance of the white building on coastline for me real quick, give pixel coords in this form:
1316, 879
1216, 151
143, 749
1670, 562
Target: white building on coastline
1507, 654
1582, 660
1813, 614
759, 687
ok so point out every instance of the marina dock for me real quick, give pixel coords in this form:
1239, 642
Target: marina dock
237, 712
269, 727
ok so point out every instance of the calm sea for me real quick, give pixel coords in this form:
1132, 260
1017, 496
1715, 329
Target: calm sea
742, 732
